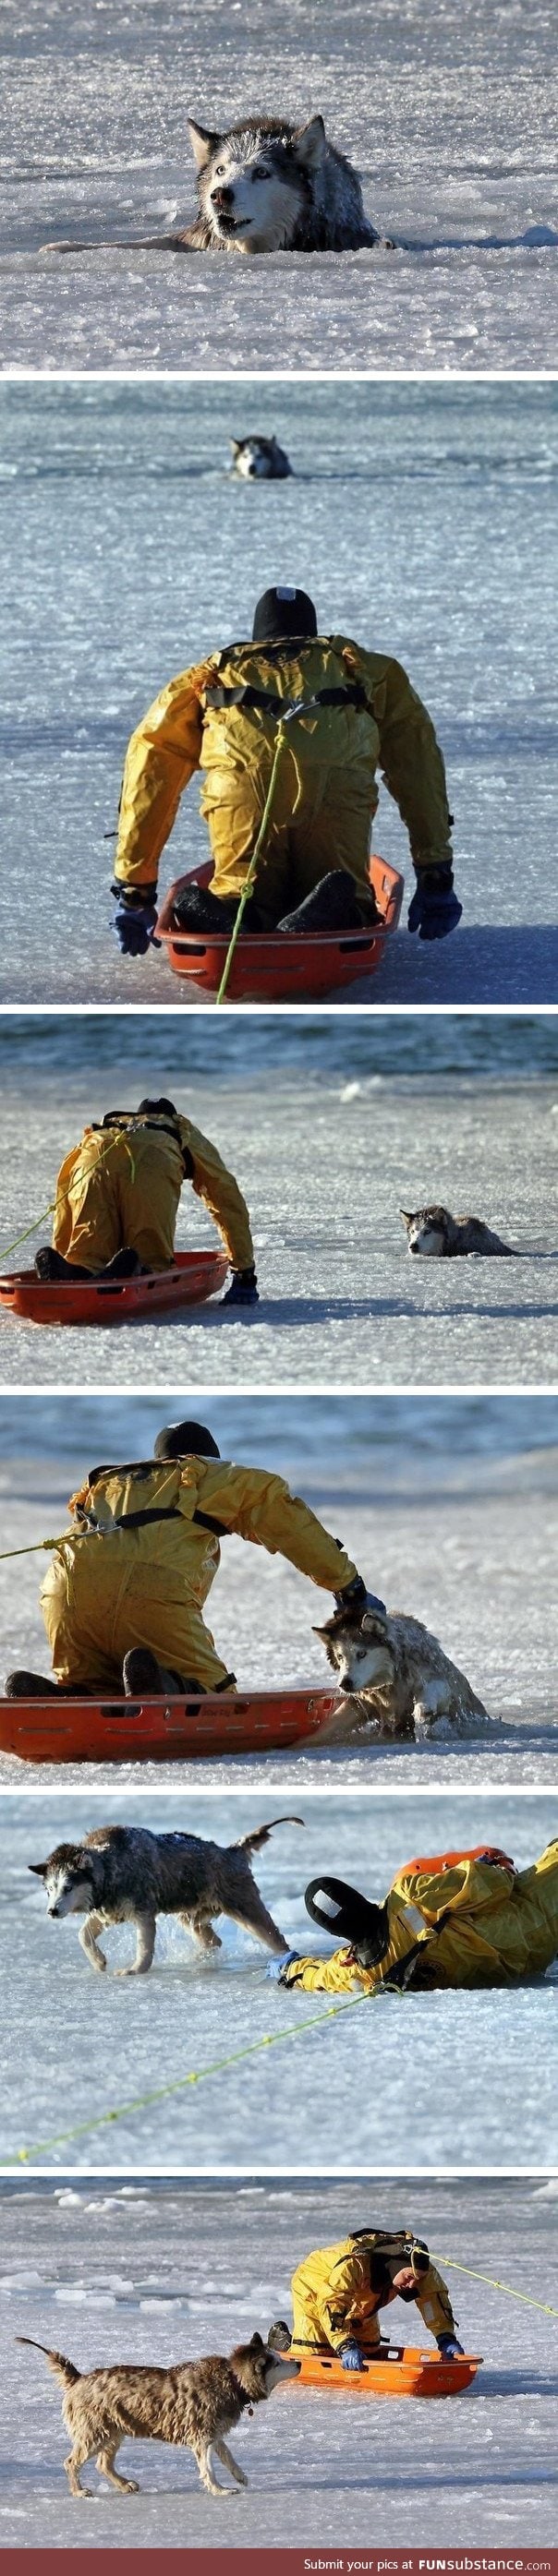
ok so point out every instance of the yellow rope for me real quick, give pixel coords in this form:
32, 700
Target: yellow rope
36, 1545
251, 877
115, 1138
451, 2266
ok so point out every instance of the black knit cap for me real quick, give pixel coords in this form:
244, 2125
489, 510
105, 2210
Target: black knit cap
283, 612
164, 1108
349, 1917
185, 1440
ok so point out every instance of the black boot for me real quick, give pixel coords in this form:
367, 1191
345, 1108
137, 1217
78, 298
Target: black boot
334, 904
29, 1686
124, 1265
196, 908
144, 1677
279, 2337
51, 1265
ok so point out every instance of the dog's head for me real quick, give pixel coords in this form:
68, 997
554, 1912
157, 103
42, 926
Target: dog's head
255, 180
359, 1650
68, 1878
254, 457
261, 2368
427, 1229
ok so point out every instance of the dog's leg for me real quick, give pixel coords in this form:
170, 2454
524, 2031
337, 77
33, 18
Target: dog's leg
88, 1938
203, 2458
105, 2464
225, 2456
201, 1931
146, 1926
253, 1917
77, 2459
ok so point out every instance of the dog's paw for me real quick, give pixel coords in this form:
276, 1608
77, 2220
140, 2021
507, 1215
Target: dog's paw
128, 2486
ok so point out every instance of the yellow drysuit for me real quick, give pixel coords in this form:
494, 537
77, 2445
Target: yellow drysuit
326, 788
496, 1925
110, 1588
121, 1185
333, 2298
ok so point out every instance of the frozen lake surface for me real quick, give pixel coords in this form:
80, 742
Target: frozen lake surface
417, 516
132, 2037
449, 1505
326, 1152
454, 143
153, 2272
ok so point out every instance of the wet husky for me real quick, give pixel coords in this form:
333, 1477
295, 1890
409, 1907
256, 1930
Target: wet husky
193, 2405
396, 1677
259, 458
123, 1874
265, 185
442, 1237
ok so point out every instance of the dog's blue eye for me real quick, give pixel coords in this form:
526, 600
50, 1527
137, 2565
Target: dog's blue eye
259, 173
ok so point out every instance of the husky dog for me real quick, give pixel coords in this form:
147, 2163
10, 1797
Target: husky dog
265, 185
443, 1237
193, 2405
397, 1679
123, 1874
259, 459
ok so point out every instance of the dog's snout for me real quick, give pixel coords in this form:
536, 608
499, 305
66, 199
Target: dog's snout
54, 1909
222, 196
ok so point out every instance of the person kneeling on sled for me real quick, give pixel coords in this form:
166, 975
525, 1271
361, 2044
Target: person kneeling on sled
339, 2292
123, 1598
358, 713
461, 1919
117, 1197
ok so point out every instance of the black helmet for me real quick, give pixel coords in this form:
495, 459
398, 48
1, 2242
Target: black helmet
283, 612
185, 1440
346, 1913
156, 1108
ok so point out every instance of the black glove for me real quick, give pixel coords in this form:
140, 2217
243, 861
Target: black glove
134, 920
434, 909
243, 1289
356, 1598
448, 2344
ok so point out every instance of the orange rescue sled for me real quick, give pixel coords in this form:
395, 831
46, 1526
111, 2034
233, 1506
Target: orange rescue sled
194, 1277
394, 2370
161, 1730
281, 967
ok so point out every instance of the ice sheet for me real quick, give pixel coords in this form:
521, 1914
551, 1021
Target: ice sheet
454, 140
479, 2469
132, 2037
419, 518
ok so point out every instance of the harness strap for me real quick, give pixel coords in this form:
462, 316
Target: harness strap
127, 1118
247, 696
140, 1520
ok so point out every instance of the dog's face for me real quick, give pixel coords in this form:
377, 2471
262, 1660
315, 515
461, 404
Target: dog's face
67, 1878
249, 179
253, 456
426, 1230
359, 1652
261, 2368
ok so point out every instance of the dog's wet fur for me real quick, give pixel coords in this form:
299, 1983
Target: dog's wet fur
259, 459
193, 2405
124, 1874
395, 1679
442, 1237
265, 185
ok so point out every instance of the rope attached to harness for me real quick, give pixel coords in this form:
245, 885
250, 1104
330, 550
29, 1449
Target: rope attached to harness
48, 1211
451, 2266
256, 854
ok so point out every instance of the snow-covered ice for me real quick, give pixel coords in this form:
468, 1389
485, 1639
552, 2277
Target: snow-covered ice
131, 2037
325, 1162
322, 2469
447, 1503
451, 122
417, 515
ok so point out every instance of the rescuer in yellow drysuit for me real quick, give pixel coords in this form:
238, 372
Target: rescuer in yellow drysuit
221, 716
339, 2291
117, 1197
469, 1920
123, 1597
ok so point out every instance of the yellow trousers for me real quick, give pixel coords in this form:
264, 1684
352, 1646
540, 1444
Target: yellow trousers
98, 1600
115, 1191
318, 822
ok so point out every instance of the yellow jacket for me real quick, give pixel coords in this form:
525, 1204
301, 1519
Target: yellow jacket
499, 1927
181, 733
210, 1179
333, 2298
247, 1500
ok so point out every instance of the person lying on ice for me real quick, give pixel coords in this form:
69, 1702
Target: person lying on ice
221, 716
117, 1197
462, 1919
339, 2291
123, 1598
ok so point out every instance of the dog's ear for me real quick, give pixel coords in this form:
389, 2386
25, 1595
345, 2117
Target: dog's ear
257, 2343
203, 144
309, 143
407, 1215
39, 1868
236, 444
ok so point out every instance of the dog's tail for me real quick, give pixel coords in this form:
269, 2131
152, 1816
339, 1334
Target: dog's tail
64, 2370
253, 1842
